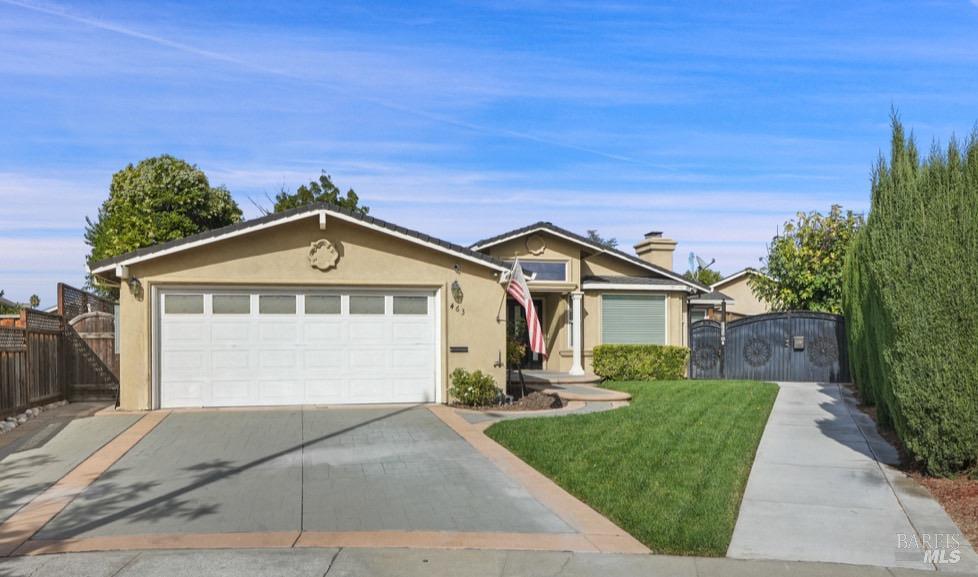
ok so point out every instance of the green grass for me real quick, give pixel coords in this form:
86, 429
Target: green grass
670, 468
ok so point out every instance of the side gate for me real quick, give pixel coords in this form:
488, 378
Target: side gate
789, 346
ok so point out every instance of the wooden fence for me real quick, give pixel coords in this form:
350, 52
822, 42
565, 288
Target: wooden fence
45, 358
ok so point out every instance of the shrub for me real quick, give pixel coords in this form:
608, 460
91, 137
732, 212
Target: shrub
473, 389
911, 301
640, 362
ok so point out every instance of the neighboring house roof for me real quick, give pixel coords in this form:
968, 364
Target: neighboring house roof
607, 282
714, 297
584, 241
740, 273
317, 208
8, 303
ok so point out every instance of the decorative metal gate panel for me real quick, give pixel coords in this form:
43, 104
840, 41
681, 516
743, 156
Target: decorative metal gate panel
791, 346
706, 350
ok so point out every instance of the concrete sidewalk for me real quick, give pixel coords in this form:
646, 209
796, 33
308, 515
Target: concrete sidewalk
822, 489
414, 562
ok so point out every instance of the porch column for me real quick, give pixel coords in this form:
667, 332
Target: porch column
577, 315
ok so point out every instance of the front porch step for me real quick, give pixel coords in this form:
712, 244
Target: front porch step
555, 378
568, 392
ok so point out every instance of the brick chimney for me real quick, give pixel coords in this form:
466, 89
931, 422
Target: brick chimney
656, 249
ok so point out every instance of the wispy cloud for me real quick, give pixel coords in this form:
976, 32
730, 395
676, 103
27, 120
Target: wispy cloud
341, 75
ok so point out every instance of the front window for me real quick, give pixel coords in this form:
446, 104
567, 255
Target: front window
633, 319
546, 270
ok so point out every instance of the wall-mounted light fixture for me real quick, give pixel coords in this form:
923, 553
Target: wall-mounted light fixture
136, 288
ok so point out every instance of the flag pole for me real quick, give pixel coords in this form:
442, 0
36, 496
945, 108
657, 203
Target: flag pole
519, 366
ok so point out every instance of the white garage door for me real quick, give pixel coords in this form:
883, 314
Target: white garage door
251, 347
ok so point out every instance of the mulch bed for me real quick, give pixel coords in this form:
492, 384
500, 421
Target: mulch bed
534, 401
958, 496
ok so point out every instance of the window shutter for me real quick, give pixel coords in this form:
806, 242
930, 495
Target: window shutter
633, 319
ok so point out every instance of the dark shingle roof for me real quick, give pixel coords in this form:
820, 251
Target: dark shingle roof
709, 297
632, 280
544, 225
311, 208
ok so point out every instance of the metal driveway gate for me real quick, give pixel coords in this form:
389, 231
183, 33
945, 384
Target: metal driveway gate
791, 346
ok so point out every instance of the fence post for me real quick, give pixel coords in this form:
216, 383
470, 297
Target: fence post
25, 391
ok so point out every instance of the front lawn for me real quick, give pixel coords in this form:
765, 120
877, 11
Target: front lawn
670, 468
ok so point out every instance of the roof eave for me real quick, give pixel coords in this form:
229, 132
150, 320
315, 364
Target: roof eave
99, 268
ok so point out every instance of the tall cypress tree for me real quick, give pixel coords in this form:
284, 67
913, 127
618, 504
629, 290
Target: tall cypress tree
911, 296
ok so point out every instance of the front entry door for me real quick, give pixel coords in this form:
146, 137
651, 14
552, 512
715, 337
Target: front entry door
531, 360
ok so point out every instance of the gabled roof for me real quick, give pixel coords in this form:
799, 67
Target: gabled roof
584, 241
742, 272
609, 282
320, 209
711, 298
7, 302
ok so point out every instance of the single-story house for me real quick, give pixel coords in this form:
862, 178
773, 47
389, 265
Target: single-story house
735, 291
321, 305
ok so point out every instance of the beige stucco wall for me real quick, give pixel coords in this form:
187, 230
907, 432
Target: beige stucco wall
278, 257
556, 300
745, 303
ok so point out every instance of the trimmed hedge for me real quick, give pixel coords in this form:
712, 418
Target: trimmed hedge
911, 302
640, 362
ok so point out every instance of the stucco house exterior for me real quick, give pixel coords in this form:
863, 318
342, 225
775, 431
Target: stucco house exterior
736, 292
320, 305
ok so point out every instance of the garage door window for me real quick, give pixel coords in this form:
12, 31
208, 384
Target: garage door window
322, 304
232, 304
184, 304
410, 305
276, 304
366, 305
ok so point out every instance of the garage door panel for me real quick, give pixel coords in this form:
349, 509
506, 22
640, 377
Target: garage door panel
279, 360
365, 332
318, 360
231, 332
411, 391
278, 332
326, 390
224, 361
232, 391
181, 392
180, 361
364, 359
370, 388
410, 358
327, 356
184, 333
324, 332
414, 332
280, 391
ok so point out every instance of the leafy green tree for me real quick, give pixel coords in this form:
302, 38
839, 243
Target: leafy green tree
803, 267
703, 275
159, 199
593, 236
35, 301
7, 309
322, 190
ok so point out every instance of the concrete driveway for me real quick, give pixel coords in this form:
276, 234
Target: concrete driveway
822, 488
376, 469
31, 463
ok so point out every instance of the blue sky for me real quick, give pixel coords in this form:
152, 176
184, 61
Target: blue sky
713, 122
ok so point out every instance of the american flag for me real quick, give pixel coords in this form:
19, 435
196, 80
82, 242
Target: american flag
520, 292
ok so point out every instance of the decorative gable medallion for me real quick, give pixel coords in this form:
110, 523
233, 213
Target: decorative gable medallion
536, 245
323, 255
